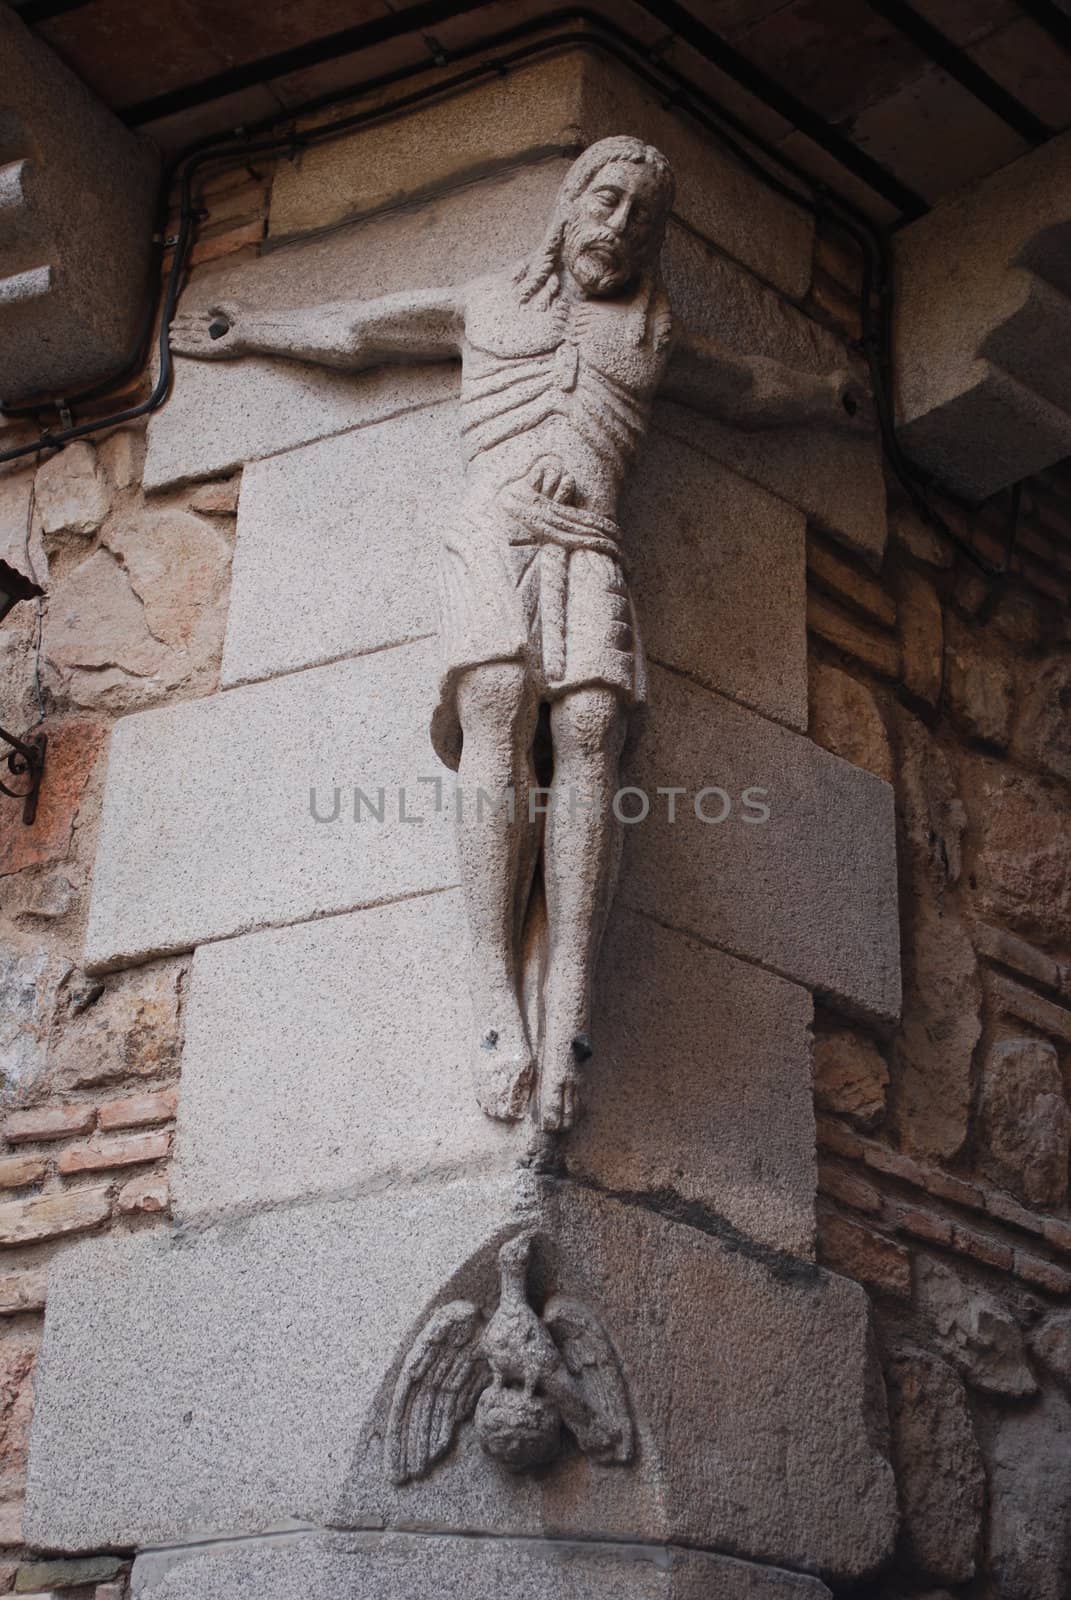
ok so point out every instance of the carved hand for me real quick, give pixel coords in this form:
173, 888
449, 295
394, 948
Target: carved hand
549, 477
852, 406
217, 333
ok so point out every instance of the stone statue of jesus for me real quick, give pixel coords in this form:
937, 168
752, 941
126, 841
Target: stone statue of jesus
560, 361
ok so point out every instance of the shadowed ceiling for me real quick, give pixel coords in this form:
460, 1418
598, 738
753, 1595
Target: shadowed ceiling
893, 105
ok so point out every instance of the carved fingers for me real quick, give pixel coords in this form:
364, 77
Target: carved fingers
212, 333
548, 477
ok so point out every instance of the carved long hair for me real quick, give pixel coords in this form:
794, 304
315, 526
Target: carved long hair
539, 278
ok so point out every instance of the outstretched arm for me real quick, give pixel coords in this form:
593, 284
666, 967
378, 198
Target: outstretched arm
756, 392
419, 325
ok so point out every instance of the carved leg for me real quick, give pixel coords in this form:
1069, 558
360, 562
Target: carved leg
580, 866
498, 715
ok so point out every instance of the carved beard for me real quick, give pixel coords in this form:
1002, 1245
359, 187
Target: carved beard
597, 259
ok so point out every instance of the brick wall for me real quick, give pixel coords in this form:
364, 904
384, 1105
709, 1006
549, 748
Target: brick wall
944, 1147
133, 617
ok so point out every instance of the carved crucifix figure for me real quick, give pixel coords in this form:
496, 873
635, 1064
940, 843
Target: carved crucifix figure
560, 361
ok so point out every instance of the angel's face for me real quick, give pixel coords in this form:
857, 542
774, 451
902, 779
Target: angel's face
517, 1428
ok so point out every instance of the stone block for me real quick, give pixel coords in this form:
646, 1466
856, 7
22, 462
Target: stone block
980, 691
16, 488
387, 1566
1051, 1344
551, 107
717, 568
1026, 1125
850, 1077
95, 620
934, 1050
208, 829
203, 432
332, 1057
1024, 870
71, 494
47, 1575
128, 1028
272, 1409
1030, 1501
144, 614
716, 563
982, 321
75, 258
74, 747
699, 1086
22, 1291
845, 719
180, 863
939, 1465
833, 474
1042, 738
357, 521
29, 984
975, 1331
825, 855
244, 1415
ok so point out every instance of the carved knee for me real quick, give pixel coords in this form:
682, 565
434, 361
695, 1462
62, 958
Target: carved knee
494, 702
588, 725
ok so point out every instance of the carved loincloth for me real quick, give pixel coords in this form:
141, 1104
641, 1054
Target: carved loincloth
528, 579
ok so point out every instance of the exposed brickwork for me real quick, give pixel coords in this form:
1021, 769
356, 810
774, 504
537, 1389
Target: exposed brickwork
138, 1110
18, 1172
861, 1253
49, 1216
124, 1151
23, 1291
849, 1189
951, 1206
132, 617
50, 1122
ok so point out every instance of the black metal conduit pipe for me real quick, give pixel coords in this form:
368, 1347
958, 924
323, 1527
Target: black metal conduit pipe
676, 91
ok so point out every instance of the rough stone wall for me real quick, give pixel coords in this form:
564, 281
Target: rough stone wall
133, 617
944, 1146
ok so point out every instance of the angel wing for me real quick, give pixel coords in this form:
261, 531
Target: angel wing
437, 1389
595, 1403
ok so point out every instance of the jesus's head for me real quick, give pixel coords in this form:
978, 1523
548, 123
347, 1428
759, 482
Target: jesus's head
607, 227
614, 224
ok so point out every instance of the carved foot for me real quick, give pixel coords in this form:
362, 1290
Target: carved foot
559, 1099
504, 1070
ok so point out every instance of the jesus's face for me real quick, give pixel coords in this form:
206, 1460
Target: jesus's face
612, 228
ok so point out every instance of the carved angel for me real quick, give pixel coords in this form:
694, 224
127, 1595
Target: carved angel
522, 1376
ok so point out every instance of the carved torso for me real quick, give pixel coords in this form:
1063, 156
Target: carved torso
574, 380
